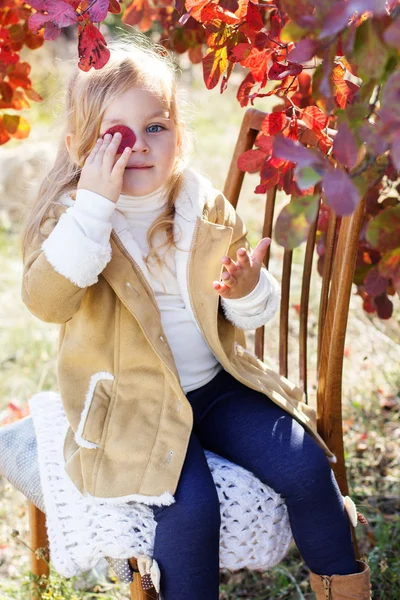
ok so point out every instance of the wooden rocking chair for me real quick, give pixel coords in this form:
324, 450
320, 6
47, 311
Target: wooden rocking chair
337, 278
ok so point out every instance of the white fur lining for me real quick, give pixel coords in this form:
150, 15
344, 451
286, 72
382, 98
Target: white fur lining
88, 400
164, 499
272, 302
351, 510
73, 254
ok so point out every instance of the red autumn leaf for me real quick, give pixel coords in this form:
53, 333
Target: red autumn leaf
245, 89
251, 161
270, 170
217, 35
16, 126
253, 17
344, 92
92, 48
240, 52
214, 64
274, 123
215, 12
115, 7
291, 130
314, 117
128, 138
6, 92
257, 62
264, 143
261, 40
18, 75
239, 7
261, 188
195, 8
368, 305
139, 13
279, 71
275, 26
324, 141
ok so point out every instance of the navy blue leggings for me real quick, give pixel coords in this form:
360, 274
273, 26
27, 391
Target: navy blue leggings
248, 429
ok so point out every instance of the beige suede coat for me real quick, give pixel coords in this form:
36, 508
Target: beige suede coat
130, 421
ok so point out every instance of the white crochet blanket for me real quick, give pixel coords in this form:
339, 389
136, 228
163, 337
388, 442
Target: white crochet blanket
255, 531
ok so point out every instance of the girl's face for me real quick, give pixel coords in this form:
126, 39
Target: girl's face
156, 139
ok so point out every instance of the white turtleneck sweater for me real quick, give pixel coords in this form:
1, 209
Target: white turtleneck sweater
196, 364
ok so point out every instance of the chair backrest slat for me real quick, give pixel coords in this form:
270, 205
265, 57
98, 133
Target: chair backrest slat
326, 279
284, 313
247, 135
304, 303
266, 232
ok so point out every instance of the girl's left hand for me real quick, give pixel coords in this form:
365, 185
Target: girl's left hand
241, 277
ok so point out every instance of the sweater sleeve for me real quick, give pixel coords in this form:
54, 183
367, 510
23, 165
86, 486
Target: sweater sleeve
93, 212
258, 307
79, 246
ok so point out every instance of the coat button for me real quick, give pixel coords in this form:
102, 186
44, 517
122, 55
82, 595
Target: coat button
169, 456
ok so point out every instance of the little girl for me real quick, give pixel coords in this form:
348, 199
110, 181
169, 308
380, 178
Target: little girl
124, 249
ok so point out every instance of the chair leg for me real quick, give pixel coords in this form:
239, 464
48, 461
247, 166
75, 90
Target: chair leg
39, 539
136, 590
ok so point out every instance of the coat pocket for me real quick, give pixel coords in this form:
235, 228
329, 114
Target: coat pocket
93, 416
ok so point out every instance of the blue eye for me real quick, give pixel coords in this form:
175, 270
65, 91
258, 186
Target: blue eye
155, 126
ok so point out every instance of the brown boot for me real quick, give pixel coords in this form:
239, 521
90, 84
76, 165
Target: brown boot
343, 587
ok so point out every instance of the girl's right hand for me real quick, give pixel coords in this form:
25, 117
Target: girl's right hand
99, 173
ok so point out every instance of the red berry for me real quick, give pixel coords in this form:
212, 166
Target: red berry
128, 137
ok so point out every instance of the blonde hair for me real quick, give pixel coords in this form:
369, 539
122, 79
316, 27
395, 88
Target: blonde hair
134, 61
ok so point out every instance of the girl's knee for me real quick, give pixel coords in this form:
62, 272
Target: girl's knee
307, 464
299, 462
